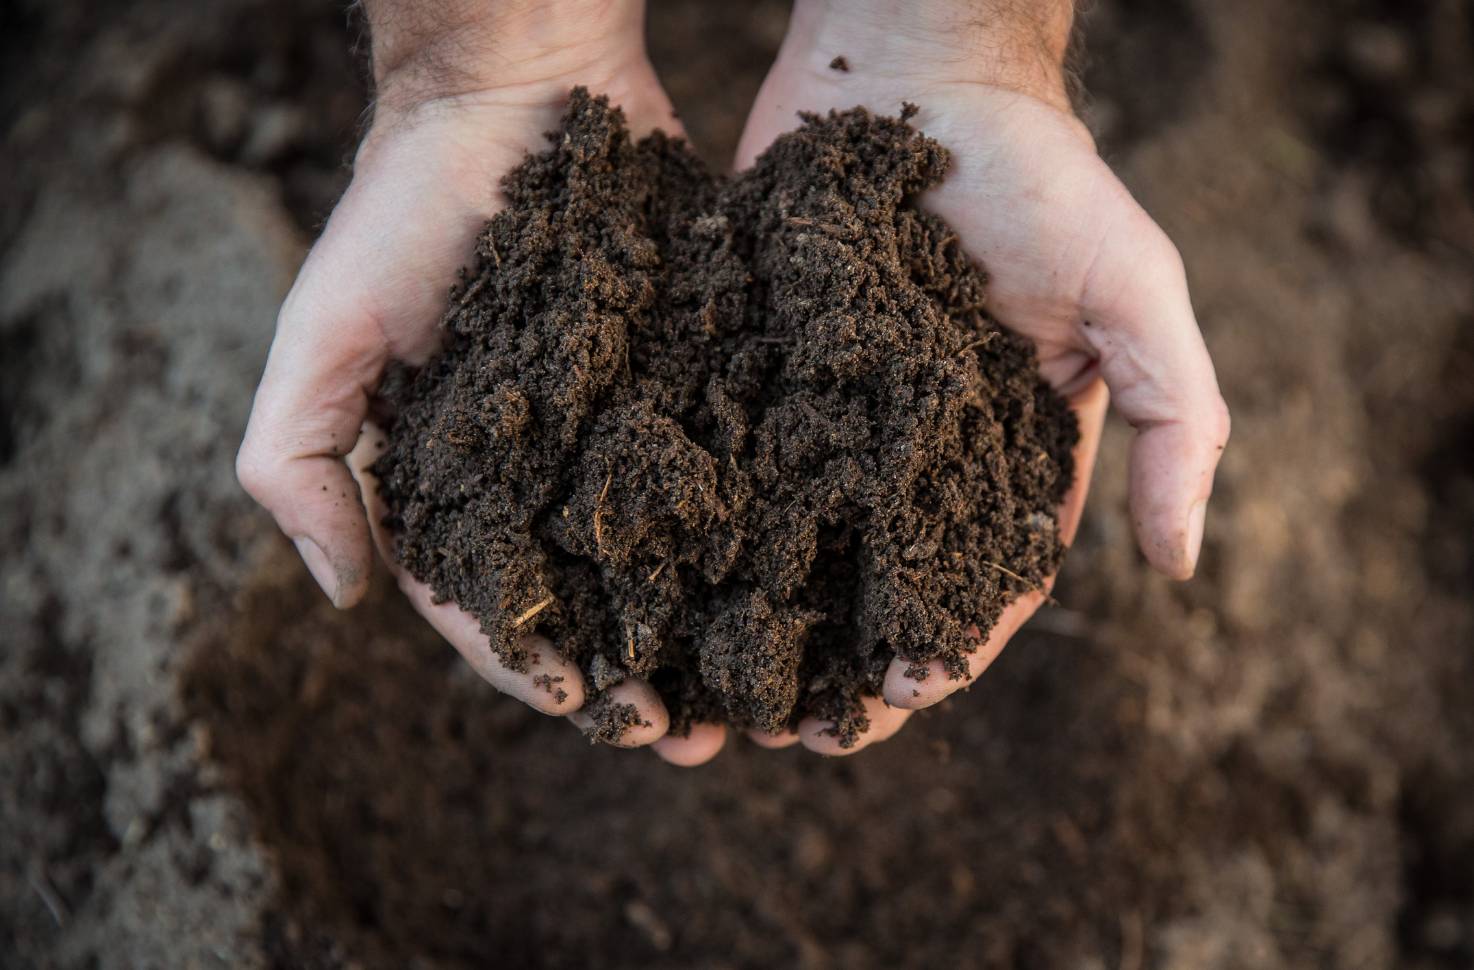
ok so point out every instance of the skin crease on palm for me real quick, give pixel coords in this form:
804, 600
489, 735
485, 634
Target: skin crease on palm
1074, 264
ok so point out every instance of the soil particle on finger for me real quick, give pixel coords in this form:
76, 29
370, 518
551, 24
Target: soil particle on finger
749, 439
608, 719
549, 683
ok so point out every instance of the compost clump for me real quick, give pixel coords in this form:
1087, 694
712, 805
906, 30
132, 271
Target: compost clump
748, 438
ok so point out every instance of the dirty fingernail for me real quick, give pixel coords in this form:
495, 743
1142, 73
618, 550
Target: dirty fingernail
318, 565
1195, 520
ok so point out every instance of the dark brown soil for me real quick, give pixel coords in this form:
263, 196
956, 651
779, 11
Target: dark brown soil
749, 439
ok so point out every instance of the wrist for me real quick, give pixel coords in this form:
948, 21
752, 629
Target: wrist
1015, 44
438, 50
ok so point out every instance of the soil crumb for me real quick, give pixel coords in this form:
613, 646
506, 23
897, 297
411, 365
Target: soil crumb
748, 438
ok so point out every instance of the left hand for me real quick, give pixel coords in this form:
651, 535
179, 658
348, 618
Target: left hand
1074, 263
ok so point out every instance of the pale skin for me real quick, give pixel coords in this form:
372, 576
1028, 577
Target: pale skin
467, 87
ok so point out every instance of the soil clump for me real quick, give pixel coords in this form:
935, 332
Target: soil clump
748, 438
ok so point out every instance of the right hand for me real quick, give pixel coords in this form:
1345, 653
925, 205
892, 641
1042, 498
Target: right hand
374, 288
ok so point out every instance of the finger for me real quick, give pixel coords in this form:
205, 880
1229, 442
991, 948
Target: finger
1139, 319
652, 721
773, 742
305, 418
549, 684
885, 721
1090, 405
696, 748
935, 683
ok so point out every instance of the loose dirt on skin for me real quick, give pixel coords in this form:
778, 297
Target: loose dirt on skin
749, 439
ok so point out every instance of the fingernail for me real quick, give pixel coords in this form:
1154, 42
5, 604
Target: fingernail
1195, 520
318, 565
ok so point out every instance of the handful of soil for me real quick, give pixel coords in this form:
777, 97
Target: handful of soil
749, 438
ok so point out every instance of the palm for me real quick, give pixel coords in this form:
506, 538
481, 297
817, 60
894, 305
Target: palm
1034, 211
423, 187
1026, 193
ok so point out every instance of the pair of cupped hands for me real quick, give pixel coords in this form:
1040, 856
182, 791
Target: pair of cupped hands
1074, 264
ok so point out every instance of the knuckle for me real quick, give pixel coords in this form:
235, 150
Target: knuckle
1165, 254
252, 470
1221, 421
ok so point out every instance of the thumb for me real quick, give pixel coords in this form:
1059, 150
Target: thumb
305, 419
1138, 318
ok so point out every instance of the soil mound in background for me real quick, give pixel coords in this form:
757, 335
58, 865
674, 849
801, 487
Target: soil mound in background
746, 438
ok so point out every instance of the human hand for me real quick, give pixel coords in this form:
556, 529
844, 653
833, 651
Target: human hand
1073, 262
462, 96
